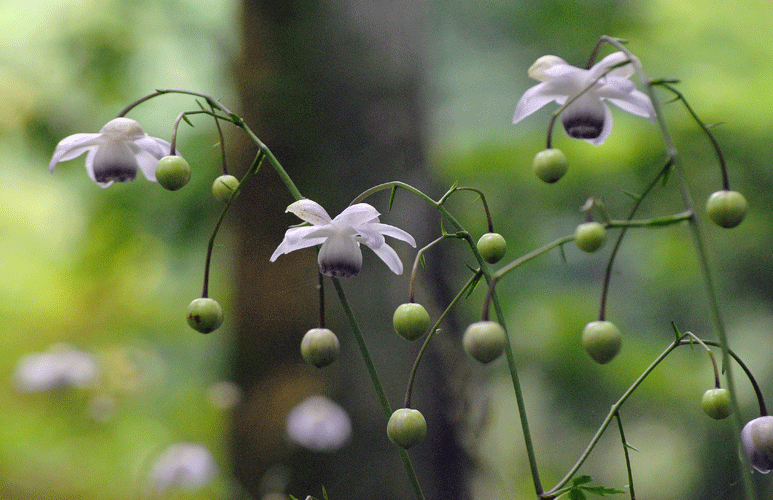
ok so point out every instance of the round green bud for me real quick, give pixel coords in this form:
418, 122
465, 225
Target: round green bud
601, 340
550, 165
716, 403
492, 247
411, 321
406, 427
727, 208
320, 347
484, 341
224, 186
590, 236
173, 172
205, 315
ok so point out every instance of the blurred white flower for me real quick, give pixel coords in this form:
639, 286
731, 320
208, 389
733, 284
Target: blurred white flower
319, 424
340, 255
587, 117
60, 367
757, 441
187, 465
115, 153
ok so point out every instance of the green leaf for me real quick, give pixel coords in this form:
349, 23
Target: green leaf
422, 262
392, 194
576, 494
601, 490
579, 480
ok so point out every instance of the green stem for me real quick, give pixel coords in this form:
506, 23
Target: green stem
702, 255
615, 407
376, 382
471, 282
520, 402
627, 455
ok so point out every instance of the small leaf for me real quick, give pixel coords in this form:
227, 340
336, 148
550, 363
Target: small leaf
584, 479
627, 445
185, 117
422, 262
576, 494
324, 492
392, 197
601, 490
474, 283
633, 196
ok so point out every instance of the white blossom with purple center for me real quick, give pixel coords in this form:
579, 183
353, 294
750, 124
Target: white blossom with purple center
757, 441
340, 255
588, 116
115, 153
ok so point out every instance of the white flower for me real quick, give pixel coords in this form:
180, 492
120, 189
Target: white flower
757, 441
340, 255
60, 367
188, 465
319, 424
588, 116
115, 153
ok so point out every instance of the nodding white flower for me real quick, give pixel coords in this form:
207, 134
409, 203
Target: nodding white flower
319, 424
340, 255
588, 116
757, 441
115, 153
188, 465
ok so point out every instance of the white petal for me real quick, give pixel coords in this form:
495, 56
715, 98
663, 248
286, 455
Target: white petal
390, 258
539, 69
637, 103
309, 211
90, 169
340, 257
534, 99
394, 232
356, 215
366, 234
606, 130
612, 59
297, 238
73, 146
149, 150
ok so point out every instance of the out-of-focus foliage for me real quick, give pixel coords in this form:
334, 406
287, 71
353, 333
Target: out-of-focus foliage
724, 67
108, 272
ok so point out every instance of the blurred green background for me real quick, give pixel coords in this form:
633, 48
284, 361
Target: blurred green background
110, 272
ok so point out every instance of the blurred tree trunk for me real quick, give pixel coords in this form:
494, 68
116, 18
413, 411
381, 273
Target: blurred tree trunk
335, 90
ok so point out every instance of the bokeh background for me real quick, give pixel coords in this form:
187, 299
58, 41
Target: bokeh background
349, 94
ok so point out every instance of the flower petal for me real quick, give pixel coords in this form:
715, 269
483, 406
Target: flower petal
309, 211
612, 59
297, 238
539, 70
390, 258
534, 99
148, 151
637, 103
340, 257
394, 232
356, 215
73, 146
605, 130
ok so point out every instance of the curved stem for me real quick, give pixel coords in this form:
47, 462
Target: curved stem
470, 283
609, 417
211, 244
376, 382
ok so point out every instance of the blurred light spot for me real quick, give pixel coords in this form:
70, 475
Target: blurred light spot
319, 424
224, 395
60, 367
188, 465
